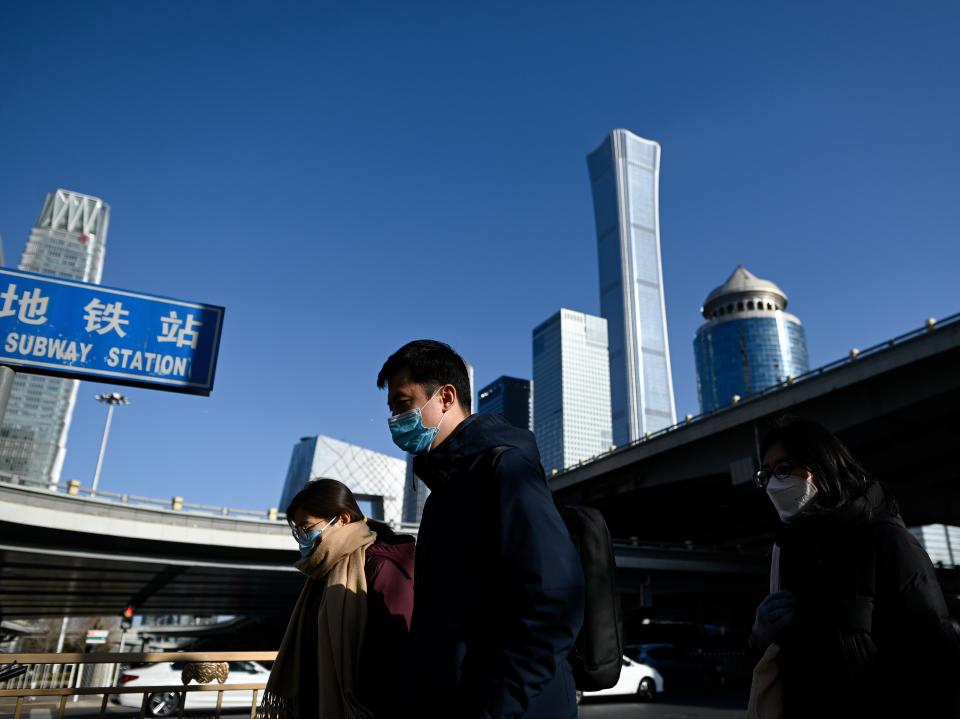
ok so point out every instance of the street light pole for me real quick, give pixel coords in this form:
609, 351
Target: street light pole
111, 399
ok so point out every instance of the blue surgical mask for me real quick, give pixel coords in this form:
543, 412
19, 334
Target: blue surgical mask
408, 431
308, 540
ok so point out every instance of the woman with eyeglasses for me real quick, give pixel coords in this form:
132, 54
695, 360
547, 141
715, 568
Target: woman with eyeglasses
344, 653
855, 611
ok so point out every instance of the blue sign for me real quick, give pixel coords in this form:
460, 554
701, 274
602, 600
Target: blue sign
73, 329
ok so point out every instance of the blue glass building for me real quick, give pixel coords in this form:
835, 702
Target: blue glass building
748, 343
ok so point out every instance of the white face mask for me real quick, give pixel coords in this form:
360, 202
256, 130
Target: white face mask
790, 496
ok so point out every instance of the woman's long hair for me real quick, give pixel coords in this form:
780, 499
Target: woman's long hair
836, 472
325, 498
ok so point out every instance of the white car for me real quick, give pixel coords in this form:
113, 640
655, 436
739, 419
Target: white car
165, 704
636, 679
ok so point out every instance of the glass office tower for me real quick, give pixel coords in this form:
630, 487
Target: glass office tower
511, 397
69, 240
748, 343
625, 177
571, 374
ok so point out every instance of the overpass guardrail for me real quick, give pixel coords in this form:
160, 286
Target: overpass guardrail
855, 355
73, 490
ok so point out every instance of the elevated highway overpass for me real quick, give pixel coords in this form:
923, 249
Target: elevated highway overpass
896, 405
65, 555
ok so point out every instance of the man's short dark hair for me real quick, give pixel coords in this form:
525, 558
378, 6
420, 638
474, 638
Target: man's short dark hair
430, 364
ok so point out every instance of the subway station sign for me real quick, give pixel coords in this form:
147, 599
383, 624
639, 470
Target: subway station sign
78, 330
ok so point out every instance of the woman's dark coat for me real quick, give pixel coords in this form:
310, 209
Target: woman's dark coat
384, 686
871, 635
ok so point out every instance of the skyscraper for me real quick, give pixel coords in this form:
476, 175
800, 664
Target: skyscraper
375, 479
510, 397
571, 374
69, 240
625, 177
748, 343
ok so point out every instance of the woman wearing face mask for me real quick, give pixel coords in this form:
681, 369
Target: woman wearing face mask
855, 610
344, 652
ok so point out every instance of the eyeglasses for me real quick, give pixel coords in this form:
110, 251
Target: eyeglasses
300, 533
781, 470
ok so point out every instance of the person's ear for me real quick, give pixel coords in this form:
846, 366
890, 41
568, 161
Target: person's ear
344, 518
448, 396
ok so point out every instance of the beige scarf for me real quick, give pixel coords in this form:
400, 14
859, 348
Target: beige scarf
339, 559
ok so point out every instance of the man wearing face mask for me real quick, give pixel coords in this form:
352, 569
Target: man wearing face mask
498, 590
854, 608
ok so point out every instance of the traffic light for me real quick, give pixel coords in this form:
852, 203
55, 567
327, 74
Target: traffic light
126, 619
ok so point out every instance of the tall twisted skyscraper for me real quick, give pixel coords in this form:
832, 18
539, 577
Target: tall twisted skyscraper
625, 177
69, 240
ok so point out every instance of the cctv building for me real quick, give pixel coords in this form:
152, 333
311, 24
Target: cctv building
69, 240
375, 479
625, 179
748, 342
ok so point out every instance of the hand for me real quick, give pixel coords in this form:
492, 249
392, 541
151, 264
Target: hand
774, 614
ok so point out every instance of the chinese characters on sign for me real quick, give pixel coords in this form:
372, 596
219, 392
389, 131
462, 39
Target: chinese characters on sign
31, 306
69, 328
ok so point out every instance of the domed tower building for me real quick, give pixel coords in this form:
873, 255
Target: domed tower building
748, 342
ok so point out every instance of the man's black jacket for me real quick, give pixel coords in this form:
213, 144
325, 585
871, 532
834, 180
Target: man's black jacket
498, 597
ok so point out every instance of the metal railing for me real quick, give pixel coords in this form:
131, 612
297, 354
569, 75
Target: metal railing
73, 488
176, 504
855, 355
60, 676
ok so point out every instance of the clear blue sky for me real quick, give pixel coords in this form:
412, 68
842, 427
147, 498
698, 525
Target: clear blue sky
344, 177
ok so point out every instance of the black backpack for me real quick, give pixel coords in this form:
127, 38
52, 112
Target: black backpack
598, 653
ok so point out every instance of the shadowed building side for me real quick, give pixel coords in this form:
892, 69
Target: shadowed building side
510, 397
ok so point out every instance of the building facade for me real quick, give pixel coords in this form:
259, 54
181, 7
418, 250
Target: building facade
69, 240
571, 374
510, 396
941, 541
375, 479
748, 342
625, 179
